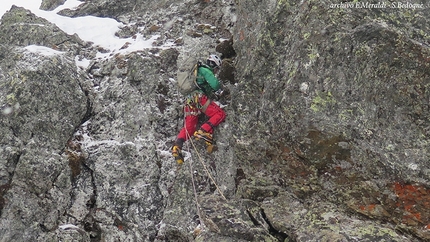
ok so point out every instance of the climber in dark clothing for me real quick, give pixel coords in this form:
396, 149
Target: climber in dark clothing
198, 102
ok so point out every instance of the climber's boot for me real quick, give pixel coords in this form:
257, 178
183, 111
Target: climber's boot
211, 148
207, 137
176, 152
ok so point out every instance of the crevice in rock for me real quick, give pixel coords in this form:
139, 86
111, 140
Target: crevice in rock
253, 219
92, 202
14, 131
89, 112
44, 228
73, 148
281, 236
240, 175
91, 225
5, 187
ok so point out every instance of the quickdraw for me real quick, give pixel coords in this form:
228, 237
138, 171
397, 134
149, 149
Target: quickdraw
192, 100
194, 105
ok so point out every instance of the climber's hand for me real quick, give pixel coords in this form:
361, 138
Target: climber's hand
219, 93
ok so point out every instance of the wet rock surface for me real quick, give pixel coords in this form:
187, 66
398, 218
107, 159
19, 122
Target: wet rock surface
325, 139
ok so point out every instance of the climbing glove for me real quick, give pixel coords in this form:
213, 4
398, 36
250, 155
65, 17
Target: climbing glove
176, 152
219, 93
207, 137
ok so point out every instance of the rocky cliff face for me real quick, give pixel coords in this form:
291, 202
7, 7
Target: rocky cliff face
326, 137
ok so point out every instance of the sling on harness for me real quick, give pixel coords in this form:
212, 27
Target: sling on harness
194, 105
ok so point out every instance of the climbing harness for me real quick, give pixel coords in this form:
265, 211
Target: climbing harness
193, 103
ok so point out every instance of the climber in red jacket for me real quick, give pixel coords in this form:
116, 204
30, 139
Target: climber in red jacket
198, 102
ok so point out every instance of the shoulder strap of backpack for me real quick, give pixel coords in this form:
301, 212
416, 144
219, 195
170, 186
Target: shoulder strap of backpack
201, 64
195, 71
